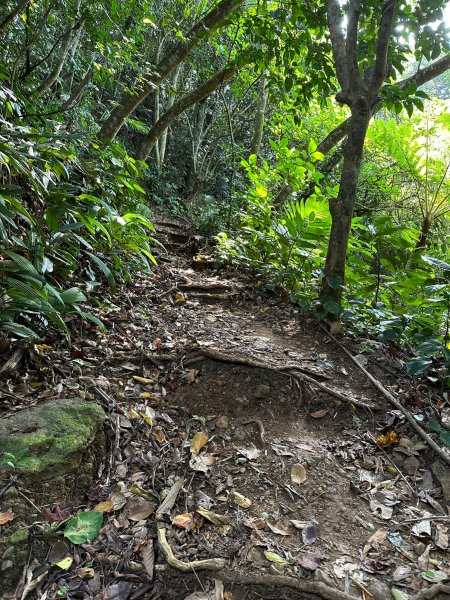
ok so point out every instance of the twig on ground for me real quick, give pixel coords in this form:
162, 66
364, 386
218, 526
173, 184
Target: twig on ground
14, 359
423, 434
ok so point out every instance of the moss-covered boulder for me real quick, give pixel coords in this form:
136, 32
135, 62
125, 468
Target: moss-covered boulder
66, 444
57, 435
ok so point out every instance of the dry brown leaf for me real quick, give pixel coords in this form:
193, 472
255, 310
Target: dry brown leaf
158, 434
298, 473
241, 500
6, 517
106, 506
202, 462
148, 558
85, 573
319, 414
118, 500
184, 521
309, 561
278, 529
138, 509
199, 440
214, 518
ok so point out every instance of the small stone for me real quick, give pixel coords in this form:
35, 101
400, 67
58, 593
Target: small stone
243, 401
11, 493
223, 422
379, 590
262, 391
8, 553
7, 564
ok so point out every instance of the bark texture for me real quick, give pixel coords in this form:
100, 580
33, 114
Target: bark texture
260, 117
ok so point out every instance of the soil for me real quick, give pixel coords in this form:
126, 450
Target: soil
320, 500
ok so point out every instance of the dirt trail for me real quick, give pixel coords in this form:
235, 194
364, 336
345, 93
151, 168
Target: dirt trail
278, 477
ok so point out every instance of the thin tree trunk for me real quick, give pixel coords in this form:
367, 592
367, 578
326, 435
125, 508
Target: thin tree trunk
162, 142
55, 73
260, 117
205, 89
422, 242
75, 96
341, 209
13, 14
176, 55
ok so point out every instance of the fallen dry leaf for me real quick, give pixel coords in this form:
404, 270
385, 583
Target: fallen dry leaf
148, 558
106, 506
310, 532
184, 521
199, 440
298, 473
143, 380
138, 509
6, 517
241, 500
319, 414
214, 518
278, 529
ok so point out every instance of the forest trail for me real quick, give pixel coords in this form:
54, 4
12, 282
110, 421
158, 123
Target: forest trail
276, 485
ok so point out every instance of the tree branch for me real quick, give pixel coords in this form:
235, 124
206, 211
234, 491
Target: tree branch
351, 46
334, 18
13, 14
384, 35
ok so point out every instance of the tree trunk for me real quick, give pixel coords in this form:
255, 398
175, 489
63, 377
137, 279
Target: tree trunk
176, 55
202, 91
162, 142
13, 14
260, 117
341, 210
422, 242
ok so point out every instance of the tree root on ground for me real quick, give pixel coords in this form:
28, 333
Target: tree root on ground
380, 387
290, 370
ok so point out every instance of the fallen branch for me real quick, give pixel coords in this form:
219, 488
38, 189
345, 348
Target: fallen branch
279, 581
411, 420
13, 360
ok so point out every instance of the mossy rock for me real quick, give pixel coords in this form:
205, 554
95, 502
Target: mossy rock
63, 437
66, 444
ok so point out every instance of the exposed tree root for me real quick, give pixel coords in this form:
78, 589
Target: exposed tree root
411, 420
279, 581
432, 592
291, 370
14, 359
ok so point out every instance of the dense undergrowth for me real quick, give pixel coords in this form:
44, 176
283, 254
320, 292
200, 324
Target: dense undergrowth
72, 215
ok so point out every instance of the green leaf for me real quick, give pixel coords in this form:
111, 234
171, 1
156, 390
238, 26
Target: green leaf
418, 365
104, 269
334, 281
19, 330
435, 261
445, 438
84, 527
332, 307
434, 426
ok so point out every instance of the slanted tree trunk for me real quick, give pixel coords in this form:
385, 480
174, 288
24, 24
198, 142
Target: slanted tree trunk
362, 96
260, 117
200, 93
5, 21
176, 55
162, 142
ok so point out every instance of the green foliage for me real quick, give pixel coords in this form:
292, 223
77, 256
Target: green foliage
14, 461
62, 202
84, 527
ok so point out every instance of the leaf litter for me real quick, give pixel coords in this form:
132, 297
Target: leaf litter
277, 477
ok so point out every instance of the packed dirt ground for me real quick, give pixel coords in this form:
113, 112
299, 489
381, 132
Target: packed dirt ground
247, 455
